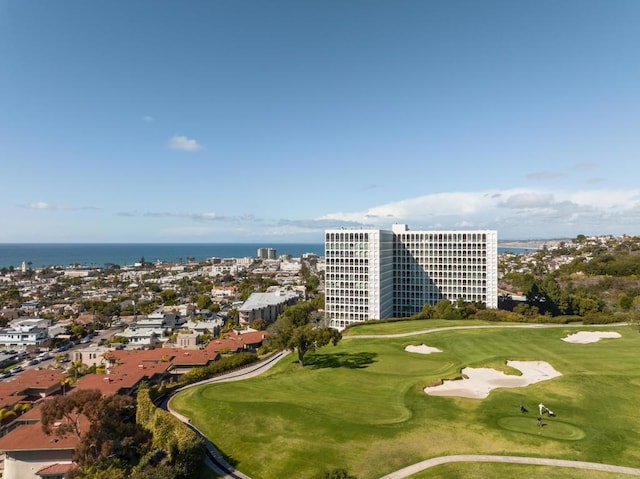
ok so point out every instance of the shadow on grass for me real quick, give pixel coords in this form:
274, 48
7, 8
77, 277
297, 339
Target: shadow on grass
341, 360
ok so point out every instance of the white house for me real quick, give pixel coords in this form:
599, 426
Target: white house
26, 332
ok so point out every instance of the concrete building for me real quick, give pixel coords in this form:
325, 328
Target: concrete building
377, 274
266, 253
265, 306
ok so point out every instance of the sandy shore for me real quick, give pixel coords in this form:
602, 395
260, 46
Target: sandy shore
479, 382
584, 337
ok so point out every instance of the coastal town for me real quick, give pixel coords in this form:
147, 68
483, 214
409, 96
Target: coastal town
116, 328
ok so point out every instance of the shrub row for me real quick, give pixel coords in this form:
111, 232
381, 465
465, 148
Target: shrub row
183, 448
223, 365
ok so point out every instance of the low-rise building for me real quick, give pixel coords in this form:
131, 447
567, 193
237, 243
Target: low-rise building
23, 333
265, 306
152, 329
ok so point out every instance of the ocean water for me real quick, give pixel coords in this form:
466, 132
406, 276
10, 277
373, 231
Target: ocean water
97, 254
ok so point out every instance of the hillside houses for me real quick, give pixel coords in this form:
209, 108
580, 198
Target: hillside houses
164, 340
31, 454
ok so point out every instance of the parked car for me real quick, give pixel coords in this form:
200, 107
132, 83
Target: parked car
5, 374
16, 370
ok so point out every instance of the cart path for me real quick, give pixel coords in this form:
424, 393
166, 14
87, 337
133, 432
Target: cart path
228, 471
539, 461
483, 326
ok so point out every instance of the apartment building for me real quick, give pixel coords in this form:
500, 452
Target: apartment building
377, 274
265, 306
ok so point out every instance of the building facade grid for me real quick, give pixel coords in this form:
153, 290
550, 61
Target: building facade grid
377, 274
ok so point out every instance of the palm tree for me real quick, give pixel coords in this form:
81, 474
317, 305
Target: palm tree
65, 382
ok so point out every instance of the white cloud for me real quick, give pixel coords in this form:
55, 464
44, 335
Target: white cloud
207, 216
515, 213
41, 205
185, 144
148, 118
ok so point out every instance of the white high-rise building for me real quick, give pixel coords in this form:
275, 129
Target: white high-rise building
377, 274
266, 253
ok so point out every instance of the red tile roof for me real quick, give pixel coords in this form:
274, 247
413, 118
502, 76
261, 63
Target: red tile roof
177, 356
222, 345
30, 437
37, 379
56, 469
30, 382
253, 337
122, 378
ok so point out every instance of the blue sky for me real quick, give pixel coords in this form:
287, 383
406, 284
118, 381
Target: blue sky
221, 121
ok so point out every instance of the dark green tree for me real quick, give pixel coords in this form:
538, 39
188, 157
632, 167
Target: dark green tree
204, 301
106, 427
169, 297
297, 329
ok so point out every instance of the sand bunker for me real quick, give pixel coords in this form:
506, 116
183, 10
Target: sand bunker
584, 337
422, 349
479, 382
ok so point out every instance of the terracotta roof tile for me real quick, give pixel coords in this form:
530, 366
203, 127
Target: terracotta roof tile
30, 437
123, 377
57, 468
30, 382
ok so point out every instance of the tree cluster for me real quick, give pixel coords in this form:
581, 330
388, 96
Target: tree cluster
299, 328
106, 427
121, 438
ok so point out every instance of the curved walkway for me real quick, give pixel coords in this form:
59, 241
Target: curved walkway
539, 461
215, 458
486, 326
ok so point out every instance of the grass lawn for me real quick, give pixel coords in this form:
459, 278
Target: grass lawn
361, 406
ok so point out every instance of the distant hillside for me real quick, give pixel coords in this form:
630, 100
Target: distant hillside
593, 278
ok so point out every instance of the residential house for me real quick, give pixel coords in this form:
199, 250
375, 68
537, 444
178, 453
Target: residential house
152, 329
92, 355
24, 333
29, 453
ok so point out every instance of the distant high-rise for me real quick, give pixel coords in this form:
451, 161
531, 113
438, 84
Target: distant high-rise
266, 253
377, 274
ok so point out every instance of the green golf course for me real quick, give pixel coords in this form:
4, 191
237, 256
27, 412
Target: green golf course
360, 405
